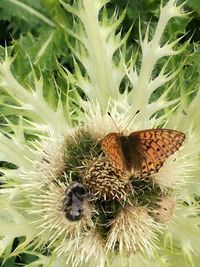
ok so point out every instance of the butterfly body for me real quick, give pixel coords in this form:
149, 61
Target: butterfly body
128, 152
142, 152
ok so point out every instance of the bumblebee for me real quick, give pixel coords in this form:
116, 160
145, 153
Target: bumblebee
75, 203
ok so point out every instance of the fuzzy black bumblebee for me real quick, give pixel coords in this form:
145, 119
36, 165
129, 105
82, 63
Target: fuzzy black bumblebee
74, 201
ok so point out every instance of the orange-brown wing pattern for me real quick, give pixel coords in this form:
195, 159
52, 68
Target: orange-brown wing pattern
148, 166
110, 145
155, 145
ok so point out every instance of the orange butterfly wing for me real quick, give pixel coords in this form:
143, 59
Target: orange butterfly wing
111, 146
149, 148
155, 145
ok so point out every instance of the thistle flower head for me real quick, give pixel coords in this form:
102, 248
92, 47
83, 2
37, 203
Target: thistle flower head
107, 182
84, 204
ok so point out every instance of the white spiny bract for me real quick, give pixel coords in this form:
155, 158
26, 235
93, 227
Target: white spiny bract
32, 195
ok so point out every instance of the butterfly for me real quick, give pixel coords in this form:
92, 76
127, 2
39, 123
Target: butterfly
142, 152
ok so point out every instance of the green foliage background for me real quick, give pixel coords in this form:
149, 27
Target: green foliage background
26, 25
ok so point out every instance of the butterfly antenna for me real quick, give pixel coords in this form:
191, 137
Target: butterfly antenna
184, 112
131, 119
127, 124
113, 121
